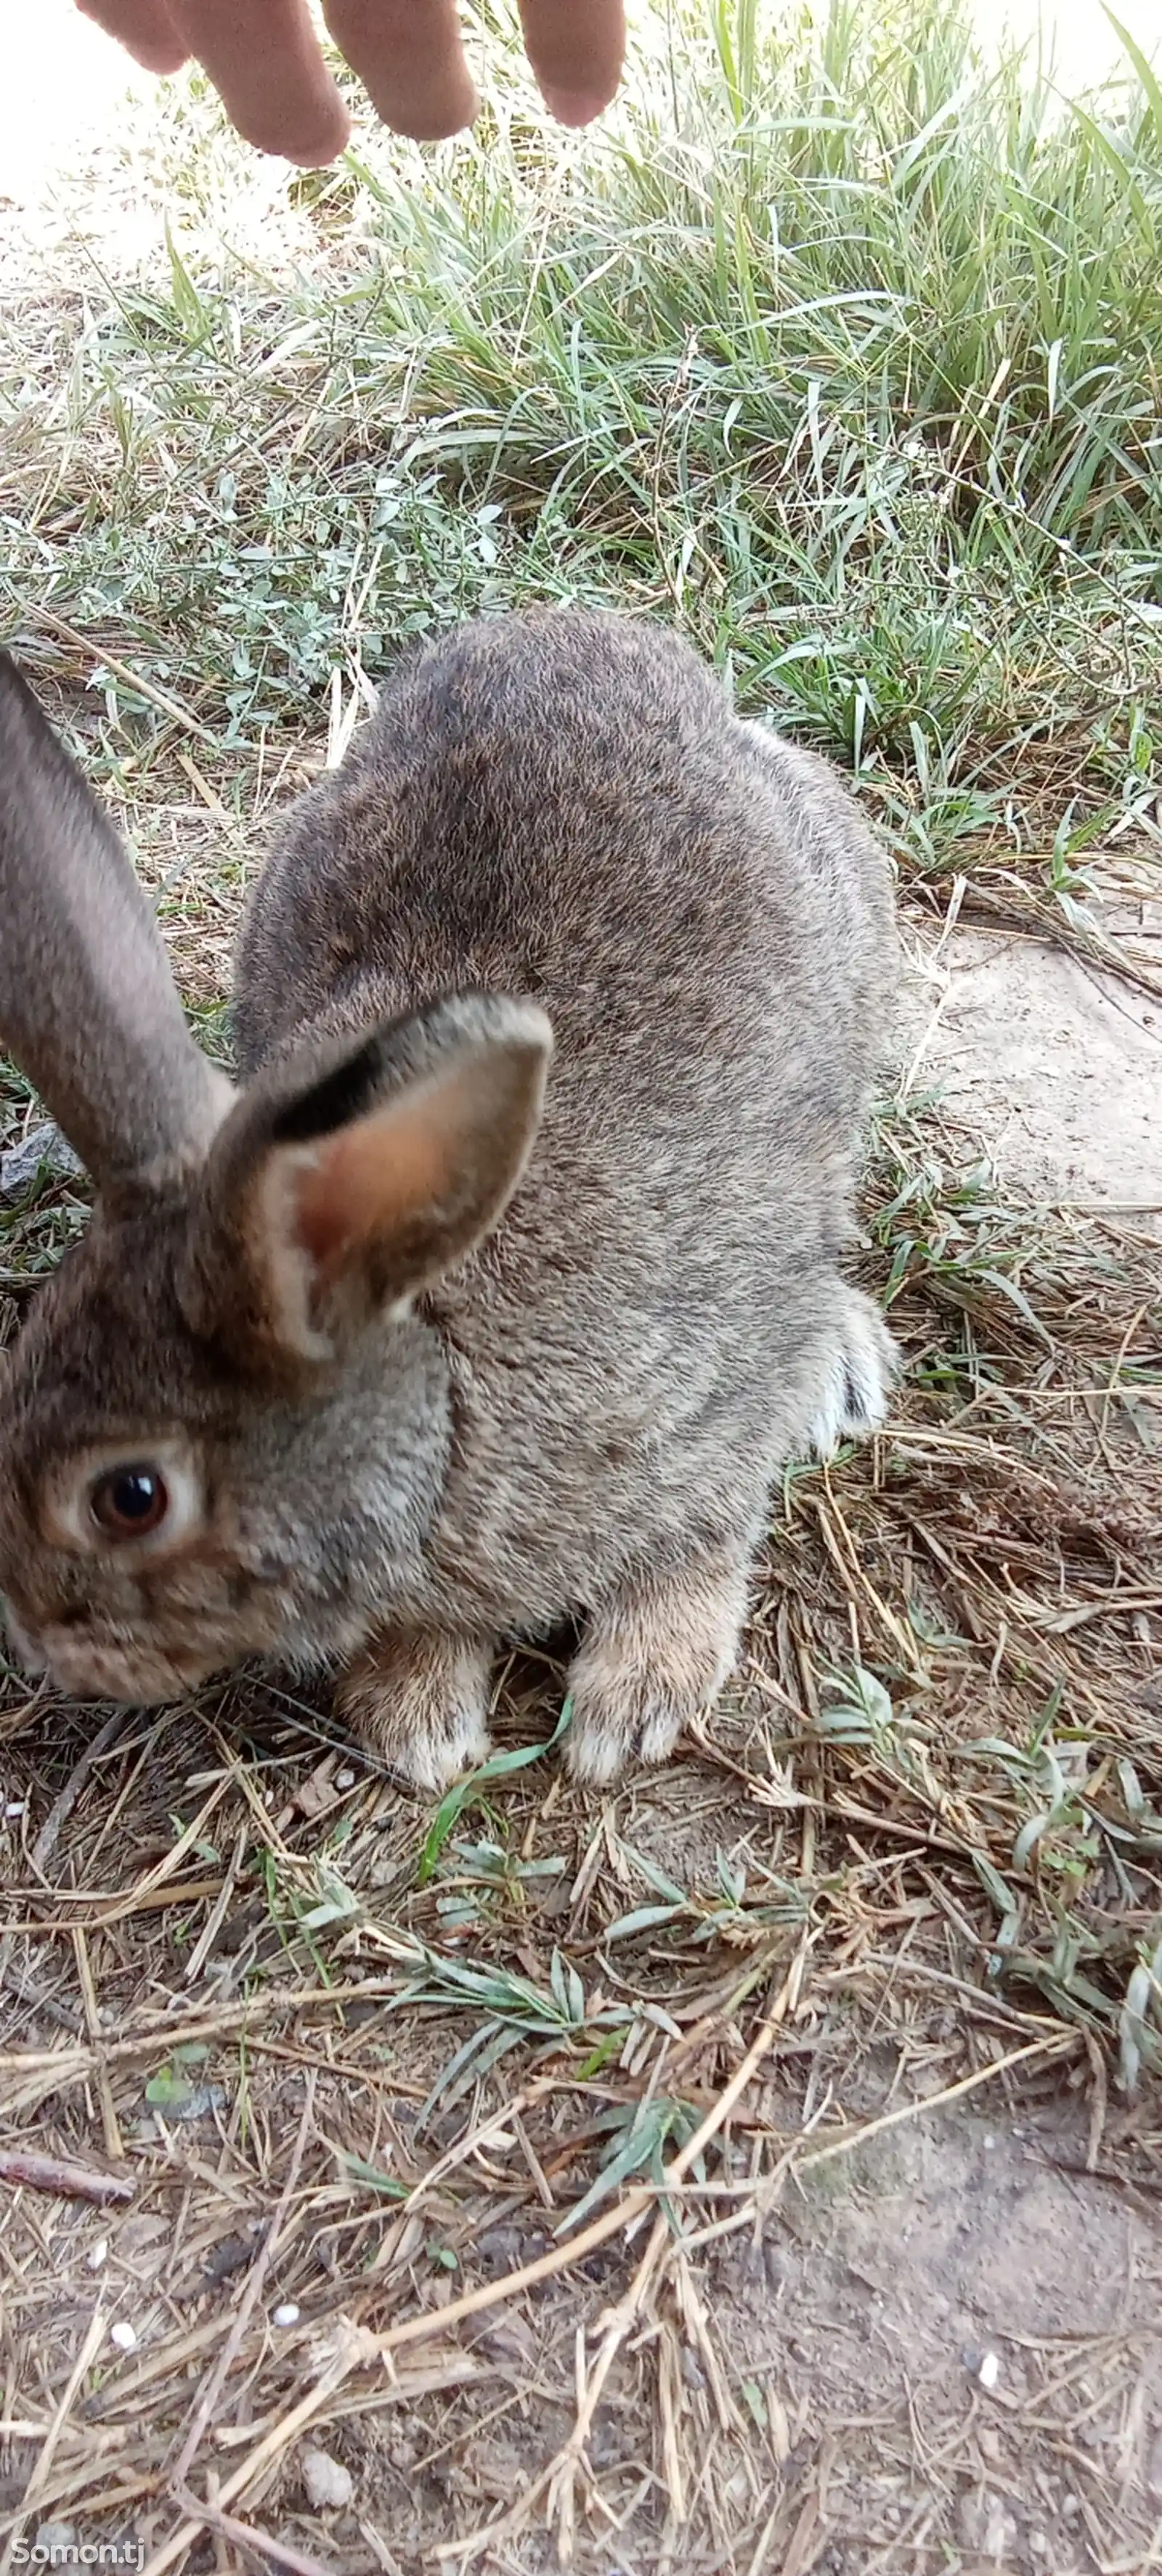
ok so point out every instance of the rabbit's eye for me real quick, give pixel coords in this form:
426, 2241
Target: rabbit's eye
129, 1502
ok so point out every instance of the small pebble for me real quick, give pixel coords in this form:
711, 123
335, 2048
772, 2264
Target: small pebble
343, 1780
192, 2101
286, 2315
989, 2372
123, 2336
44, 1149
15, 1807
985, 2525
98, 2254
1000, 2534
330, 2487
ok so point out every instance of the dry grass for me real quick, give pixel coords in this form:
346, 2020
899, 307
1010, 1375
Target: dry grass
450, 2087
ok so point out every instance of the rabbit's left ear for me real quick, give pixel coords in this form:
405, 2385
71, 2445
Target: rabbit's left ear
343, 1184
87, 1001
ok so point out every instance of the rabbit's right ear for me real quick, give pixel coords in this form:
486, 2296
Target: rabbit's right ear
357, 1173
88, 1006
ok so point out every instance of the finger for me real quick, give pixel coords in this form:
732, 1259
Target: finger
410, 60
576, 48
264, 60
144, 27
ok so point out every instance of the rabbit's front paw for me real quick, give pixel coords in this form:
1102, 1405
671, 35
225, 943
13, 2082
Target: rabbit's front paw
419, 1702
861, 1366
653, 1658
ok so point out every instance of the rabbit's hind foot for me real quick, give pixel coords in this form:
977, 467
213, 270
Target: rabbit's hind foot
860, 1365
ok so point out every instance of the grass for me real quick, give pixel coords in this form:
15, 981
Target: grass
839, 348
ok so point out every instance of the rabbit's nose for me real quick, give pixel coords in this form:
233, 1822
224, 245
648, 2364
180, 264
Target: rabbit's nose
93, 1666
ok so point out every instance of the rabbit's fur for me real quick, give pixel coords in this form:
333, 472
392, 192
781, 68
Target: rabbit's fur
425, 1369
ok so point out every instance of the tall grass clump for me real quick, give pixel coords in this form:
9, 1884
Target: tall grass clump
839, 345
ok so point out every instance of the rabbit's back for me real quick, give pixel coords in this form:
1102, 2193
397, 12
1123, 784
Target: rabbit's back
559, 803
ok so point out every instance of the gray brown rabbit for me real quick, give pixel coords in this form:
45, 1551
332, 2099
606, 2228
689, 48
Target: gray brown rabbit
509, 1278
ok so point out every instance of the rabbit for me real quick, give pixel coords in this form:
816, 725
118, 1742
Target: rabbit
499, 1290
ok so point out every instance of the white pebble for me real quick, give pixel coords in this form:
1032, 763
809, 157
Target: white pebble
986, 2527
123, 2336
15, 1807
343, 1780
98, 2254
990, 2371
330, 2487
1000, 2533
287, 2315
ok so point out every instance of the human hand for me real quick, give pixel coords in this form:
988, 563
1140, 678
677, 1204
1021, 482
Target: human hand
265, 62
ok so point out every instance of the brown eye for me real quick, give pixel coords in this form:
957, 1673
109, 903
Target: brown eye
129, 1502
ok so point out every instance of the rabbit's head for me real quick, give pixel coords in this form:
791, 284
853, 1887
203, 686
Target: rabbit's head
223, 1427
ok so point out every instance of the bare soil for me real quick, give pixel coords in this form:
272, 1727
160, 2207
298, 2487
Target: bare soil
1053, 1061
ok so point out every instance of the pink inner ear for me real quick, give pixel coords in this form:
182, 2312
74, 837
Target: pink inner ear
369, 1182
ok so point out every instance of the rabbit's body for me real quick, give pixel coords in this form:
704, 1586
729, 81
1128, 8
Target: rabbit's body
562, 807
585, 1411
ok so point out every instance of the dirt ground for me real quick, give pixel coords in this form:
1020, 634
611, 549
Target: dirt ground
1055, 1063
939, 2350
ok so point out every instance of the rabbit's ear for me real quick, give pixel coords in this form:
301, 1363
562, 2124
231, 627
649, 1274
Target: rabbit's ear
87, 1002
343, 1184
